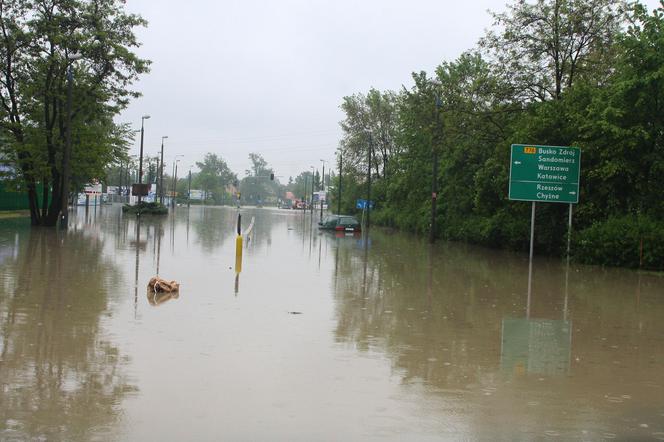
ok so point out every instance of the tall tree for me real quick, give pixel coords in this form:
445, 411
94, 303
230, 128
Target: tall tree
40, 42
257, 185
541, 48
375, 114
214, 176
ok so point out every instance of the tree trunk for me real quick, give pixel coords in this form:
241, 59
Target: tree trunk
35, 218
44, 197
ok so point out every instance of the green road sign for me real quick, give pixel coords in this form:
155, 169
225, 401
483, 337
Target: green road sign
545, 173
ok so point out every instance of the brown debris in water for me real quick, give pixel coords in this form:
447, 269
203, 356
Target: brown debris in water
159, 285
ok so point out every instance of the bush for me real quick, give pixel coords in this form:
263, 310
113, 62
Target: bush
144, 208
630, 241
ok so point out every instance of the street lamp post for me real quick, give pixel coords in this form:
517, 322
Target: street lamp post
175, 178
140, 159
161, 172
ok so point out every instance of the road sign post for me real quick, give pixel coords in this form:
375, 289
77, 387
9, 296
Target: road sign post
545, 174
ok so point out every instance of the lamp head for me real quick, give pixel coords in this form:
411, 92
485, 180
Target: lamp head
145, 117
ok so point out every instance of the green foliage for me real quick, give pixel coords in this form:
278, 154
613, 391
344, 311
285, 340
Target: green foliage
301, 186
256, 187
605, 96
213, 178
629, 241
145, 208
541, 48
48, 46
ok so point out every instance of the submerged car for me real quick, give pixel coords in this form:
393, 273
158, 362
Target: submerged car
344, 223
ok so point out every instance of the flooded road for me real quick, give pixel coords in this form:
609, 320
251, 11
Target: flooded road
319, 337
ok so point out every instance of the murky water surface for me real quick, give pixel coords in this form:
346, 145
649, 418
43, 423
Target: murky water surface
319, 337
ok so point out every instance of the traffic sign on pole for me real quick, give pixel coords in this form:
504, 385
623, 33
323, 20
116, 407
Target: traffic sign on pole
544, 173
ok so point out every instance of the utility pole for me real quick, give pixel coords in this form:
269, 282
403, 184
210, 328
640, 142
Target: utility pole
434, 177
369, 180
189, 191
320, 201
156, 181
305, 192
128, 186
340, 166
313, 181
175, 181
120, 185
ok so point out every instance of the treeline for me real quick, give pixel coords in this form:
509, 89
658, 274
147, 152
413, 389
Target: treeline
586, 73
212, 175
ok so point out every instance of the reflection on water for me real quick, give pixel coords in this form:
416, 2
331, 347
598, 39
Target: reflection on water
535, 346
157, 298
334, 336
454, 318
60, 374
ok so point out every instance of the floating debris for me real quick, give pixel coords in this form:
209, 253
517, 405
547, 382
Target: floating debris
160, 285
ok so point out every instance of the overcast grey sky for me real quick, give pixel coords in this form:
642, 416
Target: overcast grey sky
239, 76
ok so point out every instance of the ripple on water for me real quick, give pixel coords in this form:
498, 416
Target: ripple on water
658, 435
552, 433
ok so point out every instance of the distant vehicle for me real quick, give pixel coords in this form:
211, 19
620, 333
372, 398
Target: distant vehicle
345, 223
285, 204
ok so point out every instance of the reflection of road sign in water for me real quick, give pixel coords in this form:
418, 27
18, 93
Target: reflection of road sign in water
362, 204
540, 346
545, 173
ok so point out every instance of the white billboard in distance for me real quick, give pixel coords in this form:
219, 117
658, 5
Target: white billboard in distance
196, 194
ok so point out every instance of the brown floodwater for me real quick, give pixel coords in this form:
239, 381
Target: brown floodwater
319, 337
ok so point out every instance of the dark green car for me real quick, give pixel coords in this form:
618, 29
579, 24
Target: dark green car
345, 223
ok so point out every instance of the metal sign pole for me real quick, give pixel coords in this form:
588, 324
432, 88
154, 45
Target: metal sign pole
569, 230
530, 261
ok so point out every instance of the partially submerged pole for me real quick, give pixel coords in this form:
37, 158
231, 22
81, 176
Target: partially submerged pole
238, 245
340, 166
368, 207
530, 261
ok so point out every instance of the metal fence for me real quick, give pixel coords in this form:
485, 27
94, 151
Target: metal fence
14, 199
